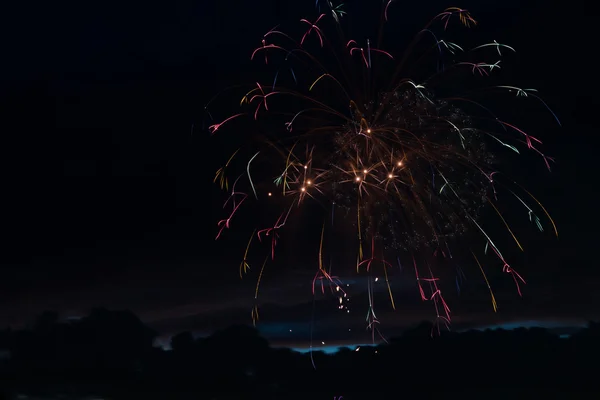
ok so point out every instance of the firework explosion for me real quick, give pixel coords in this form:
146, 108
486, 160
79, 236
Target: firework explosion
394, 170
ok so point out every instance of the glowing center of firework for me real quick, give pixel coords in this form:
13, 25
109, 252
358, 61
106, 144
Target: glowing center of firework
303, 190
368, 131
306, 167
399, 163
365, 171
309, 182
390, 176
270, 194
358, 179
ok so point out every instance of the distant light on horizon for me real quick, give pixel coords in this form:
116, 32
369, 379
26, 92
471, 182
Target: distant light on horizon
331, 349
563, 329
532, 324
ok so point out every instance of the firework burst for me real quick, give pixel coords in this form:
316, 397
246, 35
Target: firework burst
399, 166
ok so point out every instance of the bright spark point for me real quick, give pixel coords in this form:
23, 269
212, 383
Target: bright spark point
390, 176
308, 182
270, 194
306, 167
303, 189
365, 171
358, 179
399, 163
368, 131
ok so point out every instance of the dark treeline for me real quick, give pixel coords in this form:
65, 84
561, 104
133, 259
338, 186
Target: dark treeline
110, 354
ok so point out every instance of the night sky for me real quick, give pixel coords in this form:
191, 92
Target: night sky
107, 172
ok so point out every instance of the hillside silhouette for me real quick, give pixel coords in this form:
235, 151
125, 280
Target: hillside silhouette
110, 355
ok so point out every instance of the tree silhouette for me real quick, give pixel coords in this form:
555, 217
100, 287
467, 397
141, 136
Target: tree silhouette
110, 353
183, 343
